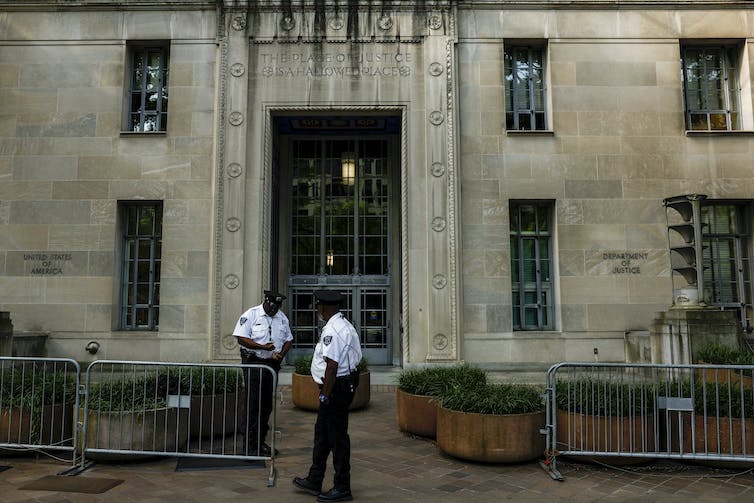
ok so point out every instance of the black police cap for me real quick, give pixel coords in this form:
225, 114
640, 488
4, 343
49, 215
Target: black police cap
328, 297
273, 296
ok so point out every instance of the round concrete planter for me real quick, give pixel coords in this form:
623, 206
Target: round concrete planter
585, 432
305, 392
490, 438
416, 414
213, 415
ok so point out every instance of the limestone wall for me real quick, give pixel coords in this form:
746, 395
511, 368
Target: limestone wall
64, 165
616, 148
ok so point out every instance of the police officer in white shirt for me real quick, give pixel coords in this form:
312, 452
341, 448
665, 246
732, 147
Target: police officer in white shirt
334, 368
264, 336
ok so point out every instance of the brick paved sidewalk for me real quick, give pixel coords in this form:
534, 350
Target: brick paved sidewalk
387, 466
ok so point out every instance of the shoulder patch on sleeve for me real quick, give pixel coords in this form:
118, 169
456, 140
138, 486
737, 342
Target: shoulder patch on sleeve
242, 320
326, 340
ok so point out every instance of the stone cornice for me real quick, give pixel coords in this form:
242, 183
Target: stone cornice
104, 5
364, 5
603, 4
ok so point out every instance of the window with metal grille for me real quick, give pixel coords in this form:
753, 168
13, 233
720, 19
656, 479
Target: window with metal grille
726, 258
525, 88
711, 89
531, 265
148, 89
142, 250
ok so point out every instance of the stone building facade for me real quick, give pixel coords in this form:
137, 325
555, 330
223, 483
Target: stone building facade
483, 180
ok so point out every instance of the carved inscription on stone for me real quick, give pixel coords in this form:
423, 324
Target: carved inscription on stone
46, 263
337, 64
625, 262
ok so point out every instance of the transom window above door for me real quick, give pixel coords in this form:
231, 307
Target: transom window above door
340, 207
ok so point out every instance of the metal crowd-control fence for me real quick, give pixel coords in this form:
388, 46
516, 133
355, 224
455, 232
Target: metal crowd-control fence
178, 410
685, 412
37, 400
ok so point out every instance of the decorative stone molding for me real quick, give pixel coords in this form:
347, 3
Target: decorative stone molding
236, 118
440, 342
435, 21
287, 23
439, 281
237, 69
436, 118
229, 342
234, 170
385, 22
233, 224
435, 69
231, 281
438, 224
239, 23
337, 23
437, 169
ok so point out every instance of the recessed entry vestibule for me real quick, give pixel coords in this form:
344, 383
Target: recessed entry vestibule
336, 185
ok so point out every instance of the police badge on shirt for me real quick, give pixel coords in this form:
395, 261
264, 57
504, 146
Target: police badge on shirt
326, 340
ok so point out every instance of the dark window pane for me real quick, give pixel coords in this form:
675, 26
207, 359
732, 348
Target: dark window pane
528, 219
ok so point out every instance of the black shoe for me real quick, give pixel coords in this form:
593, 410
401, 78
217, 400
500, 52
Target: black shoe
307, 485
336, 494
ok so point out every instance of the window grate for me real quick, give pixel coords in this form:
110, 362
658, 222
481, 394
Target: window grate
531, 265
141, 267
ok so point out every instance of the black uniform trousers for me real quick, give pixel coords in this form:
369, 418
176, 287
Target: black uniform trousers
331, 435
258, 400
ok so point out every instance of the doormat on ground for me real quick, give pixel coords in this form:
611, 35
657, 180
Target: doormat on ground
196, 464
68, 484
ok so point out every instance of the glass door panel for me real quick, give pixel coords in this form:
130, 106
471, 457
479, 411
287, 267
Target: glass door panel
340, 236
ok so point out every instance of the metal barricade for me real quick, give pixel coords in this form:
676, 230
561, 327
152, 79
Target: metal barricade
178, 409
687, 412
38, 397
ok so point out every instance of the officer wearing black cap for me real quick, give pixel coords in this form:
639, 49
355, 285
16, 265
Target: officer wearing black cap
264, 335
334, 368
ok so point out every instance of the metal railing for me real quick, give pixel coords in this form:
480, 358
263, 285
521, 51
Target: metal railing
686, 412
178, 410
37, 400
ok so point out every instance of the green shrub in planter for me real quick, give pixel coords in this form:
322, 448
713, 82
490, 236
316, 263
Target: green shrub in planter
36, 404
603, 397
491, 423
303, 365
721, 400
493, 398
206, 380
433, 381
719, 354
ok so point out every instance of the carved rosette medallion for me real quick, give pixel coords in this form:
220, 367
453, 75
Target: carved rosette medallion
435, 21
437, 169
231, 281
439, 281
233, 224
337, 23
234, 170
229, 341
235, 118
440, 341
435, 69
287, 23
438, 224
385, 22
238, 23
237, 69
436, 118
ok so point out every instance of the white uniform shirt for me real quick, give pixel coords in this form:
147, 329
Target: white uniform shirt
339, 342
258, 326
